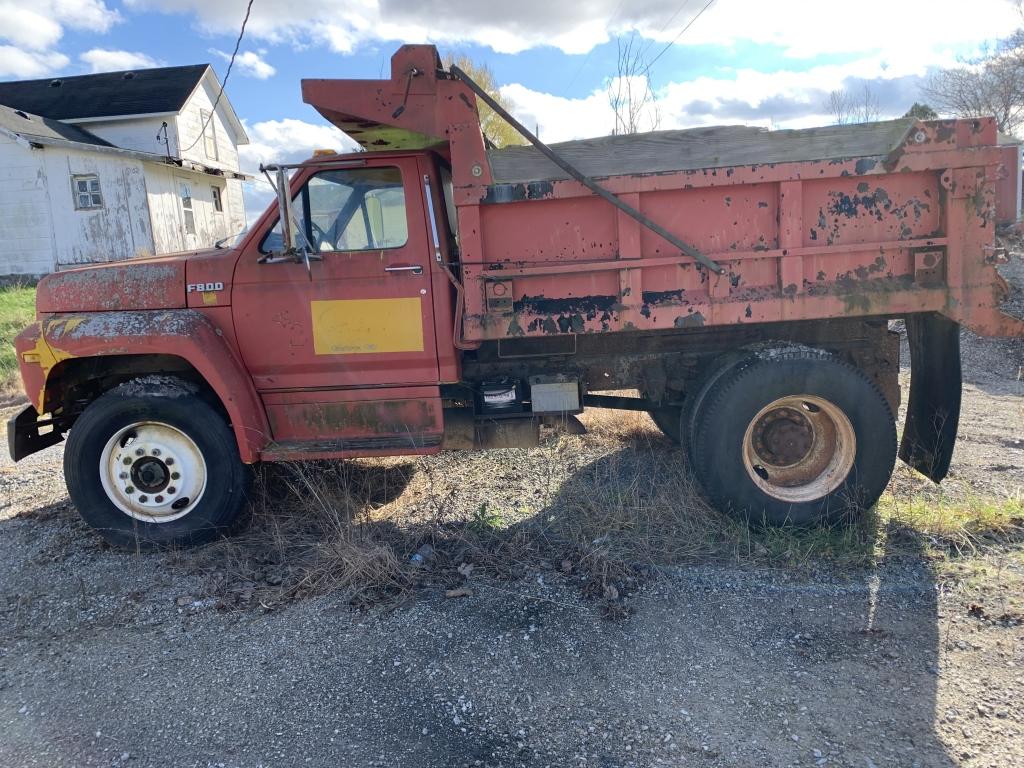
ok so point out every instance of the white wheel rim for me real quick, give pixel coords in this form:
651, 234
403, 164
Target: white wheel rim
799, 448
153, 472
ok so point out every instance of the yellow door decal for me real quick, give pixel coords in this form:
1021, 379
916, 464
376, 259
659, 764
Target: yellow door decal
360, 326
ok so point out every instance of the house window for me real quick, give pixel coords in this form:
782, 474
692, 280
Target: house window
209, 133
87, 192
218, 203
186, 205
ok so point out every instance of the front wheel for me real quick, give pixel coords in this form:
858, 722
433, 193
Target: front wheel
793, 436
151, 464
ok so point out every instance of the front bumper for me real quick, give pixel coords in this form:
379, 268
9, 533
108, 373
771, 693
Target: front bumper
23, 436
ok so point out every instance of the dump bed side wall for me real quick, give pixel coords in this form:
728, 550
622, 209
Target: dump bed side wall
1008, 188
904, 233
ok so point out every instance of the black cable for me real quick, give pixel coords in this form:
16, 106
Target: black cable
681, 32
223, 85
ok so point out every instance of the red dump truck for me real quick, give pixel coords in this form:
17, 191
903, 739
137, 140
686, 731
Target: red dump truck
436, 293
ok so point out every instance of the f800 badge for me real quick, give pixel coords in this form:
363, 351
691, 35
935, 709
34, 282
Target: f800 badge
204, 287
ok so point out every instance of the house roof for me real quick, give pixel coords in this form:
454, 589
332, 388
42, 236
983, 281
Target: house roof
35, 128
44, 132
107, 94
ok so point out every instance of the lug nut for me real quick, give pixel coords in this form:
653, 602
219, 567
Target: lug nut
139, 452
129, 489
172, 489
175, 475
170, 460
127, 461
159, 499
123, 475
156, 451
143, 498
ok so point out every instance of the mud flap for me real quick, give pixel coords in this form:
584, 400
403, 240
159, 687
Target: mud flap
933, 408
23, 436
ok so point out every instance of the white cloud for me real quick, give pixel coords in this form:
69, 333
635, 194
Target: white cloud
249, 63
904, 30
282, 141
39, 24
19, 63
28, 28
288, 141
32, 29
102, 60
90, 15
788, 99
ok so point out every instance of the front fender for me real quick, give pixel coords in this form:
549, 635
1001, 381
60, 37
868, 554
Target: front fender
183, 333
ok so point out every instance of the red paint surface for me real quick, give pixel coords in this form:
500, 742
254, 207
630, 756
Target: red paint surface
912, 232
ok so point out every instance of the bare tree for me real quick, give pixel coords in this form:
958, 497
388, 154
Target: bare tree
629, 92
992, 85
853, 106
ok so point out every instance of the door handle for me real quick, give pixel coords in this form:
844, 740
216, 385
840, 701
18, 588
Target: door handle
416, 269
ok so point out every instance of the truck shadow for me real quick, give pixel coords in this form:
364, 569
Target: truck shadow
815, 661
734, 657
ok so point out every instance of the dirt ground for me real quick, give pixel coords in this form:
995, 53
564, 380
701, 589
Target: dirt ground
110, 658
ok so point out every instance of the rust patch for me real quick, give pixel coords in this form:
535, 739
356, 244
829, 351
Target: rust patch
692, 320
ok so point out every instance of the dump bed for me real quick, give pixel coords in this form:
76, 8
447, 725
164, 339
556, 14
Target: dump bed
881, 219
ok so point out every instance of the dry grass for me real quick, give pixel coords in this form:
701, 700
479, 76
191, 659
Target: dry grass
607, 509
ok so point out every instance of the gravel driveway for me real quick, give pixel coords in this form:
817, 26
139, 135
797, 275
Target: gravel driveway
106, 658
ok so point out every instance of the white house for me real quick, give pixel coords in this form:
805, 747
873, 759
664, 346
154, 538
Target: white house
116, 165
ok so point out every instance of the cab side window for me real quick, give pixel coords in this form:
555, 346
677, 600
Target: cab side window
352, 209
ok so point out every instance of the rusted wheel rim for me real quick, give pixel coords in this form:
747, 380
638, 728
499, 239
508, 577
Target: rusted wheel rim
153, 472
799, 448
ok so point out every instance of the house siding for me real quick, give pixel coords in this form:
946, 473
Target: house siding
163, 184
164, 209
119, 230
26, 234
142, 213
135, 133
189, 123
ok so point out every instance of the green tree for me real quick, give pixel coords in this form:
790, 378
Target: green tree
495, 129
922, 112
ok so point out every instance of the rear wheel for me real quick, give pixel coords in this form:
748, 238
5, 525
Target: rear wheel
792, 436
152, 464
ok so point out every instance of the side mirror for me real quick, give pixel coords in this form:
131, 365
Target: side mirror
285, 214
294, 246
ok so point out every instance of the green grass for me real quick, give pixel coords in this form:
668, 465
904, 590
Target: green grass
957, 526
17, 309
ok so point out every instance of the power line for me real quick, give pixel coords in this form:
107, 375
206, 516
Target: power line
591, 51
662, 52
223, 85
664, 26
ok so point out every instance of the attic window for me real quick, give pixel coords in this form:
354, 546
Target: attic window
56, 83
87, 193
209, 134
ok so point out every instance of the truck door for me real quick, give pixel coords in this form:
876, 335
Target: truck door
361, 316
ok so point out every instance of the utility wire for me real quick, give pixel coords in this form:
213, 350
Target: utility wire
664, 26
591, 51
223, 85
689, 24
